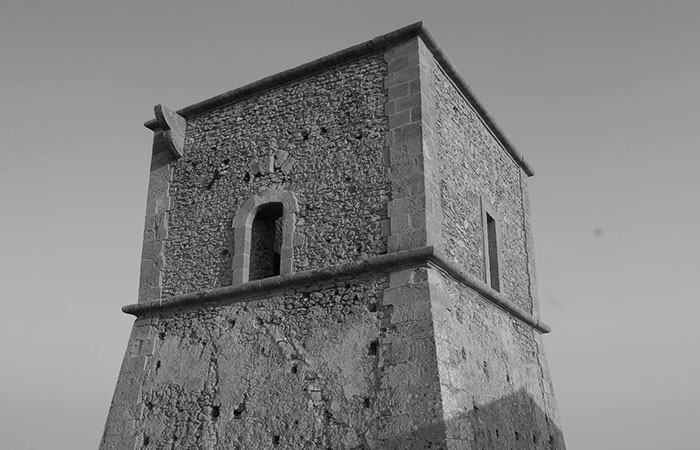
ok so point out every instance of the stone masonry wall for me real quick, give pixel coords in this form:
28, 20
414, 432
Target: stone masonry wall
496, 392
329, 366
474, 166
322, 137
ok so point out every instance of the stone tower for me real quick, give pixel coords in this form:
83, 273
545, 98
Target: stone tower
338, 256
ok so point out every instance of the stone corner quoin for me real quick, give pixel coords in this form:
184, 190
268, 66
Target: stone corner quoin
337, 256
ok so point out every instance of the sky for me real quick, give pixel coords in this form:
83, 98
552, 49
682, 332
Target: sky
601, 97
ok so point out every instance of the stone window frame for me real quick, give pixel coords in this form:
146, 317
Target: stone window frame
242, 231
488, 210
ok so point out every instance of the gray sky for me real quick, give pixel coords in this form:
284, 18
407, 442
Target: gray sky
600, 96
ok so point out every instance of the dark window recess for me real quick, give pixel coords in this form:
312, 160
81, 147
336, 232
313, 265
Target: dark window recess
494, 279
266, 242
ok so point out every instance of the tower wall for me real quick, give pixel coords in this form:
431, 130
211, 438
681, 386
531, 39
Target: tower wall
495, 392
496, 389
324, 138
383, 335
474, 168
299, 368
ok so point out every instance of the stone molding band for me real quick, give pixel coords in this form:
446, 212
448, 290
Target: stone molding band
246, 291
349, 54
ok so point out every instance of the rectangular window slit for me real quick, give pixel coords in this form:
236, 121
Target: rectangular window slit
492, 253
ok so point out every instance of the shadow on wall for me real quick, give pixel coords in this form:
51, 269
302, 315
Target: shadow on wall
514, 421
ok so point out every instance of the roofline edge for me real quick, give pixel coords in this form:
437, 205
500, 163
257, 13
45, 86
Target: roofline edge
417, 29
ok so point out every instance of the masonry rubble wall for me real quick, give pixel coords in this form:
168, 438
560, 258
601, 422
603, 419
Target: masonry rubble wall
322, 137
495, 392
496, 388
346, 364
474, 167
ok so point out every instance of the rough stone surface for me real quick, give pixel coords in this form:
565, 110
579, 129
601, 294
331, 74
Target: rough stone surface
326, 132
329, 366
293, 370
474, 167
494, 390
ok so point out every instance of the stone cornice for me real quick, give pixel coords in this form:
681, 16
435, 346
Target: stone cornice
349, 54
253, 289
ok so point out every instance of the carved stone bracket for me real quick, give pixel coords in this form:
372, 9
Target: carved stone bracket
172, 126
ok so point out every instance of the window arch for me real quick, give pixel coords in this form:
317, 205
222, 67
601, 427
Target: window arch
263, 230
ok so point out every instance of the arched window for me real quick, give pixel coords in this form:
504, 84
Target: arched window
263, 230
266, 242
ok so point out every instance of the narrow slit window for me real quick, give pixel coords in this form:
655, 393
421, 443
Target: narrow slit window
266, 242
491, 238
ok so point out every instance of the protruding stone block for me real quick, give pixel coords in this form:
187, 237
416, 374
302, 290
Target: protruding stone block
173, 126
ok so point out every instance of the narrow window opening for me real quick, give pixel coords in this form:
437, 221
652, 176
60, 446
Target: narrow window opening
266, 242
492, 253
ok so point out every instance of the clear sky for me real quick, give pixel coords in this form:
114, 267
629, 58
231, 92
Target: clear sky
600, 96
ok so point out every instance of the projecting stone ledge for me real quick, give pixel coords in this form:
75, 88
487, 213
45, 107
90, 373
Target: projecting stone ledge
251, 290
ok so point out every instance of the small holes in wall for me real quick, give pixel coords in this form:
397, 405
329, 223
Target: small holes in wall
373, 348
327, 416
366, 402
226, 161
238, 412
324, 130
305, 134
294, 369
146, 441
275, 440
215, 176
517, 436
372, 307
215, 410
225, 252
